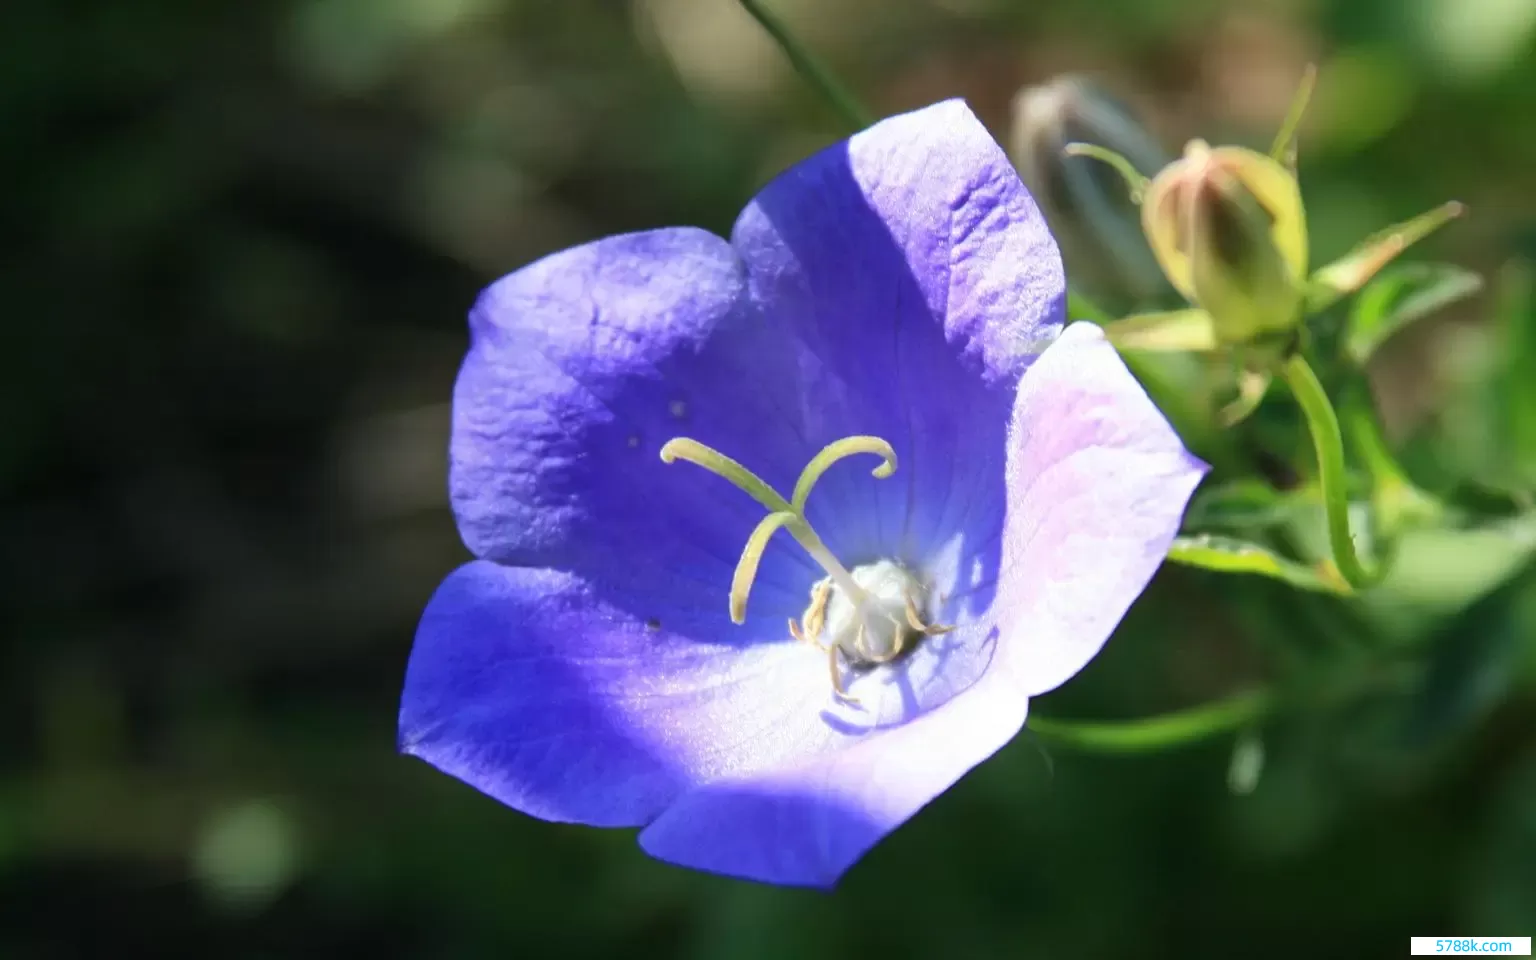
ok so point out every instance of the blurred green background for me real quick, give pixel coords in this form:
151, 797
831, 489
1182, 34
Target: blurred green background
240, 243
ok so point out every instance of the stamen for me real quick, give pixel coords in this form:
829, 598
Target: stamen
816, 616
811, 635
913, 620
896, 650
837, 678
794, 631
898, 644
859, 639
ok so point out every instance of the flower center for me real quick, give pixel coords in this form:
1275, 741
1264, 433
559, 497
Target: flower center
871, 615
880, 631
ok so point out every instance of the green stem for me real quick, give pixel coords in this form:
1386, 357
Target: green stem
1396, 499
1329, 445
1135, 182
1156, 733
806, 64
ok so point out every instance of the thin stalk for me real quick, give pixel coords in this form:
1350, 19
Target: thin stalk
1328, 443
805, 63
1160, 732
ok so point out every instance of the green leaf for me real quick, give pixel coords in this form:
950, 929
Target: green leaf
1230, 555
1179, 330
1351, 271
1438, 571
1482, 438
1472, 662
1402, 296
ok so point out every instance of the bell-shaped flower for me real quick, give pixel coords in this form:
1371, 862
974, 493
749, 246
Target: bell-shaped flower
689, 611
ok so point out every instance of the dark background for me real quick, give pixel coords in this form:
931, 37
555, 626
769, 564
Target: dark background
239, 243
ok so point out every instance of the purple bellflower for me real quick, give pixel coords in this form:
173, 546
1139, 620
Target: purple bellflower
638, 428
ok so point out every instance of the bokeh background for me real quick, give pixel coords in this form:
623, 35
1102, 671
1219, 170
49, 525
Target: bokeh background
240, 240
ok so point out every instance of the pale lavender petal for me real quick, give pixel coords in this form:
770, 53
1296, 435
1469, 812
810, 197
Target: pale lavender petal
805, 824
1097, 486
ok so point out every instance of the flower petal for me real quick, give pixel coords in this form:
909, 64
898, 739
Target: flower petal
537, 689
918, 273
581, 366
806, 824
1097, 486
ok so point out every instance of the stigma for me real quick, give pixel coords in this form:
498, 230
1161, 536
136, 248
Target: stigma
867, 616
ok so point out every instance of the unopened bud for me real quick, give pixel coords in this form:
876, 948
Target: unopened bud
1086, 203
1227, 225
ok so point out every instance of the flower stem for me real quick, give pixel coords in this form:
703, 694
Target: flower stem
1329, 445
1135, 182
811, 69
1156, 733
1397, 500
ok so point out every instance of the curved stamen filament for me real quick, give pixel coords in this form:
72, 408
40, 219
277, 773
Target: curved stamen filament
682, 448
757, 543
832, 453
751, 556
783, 513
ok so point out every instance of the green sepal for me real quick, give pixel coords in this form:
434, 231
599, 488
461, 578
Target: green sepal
1330, 284
1189, 330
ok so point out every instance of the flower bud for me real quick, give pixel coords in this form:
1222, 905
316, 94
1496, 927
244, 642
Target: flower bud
1227, 225
1085, 202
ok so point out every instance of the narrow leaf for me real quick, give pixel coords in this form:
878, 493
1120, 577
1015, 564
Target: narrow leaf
1350, 272
1400, 297
1230, 555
